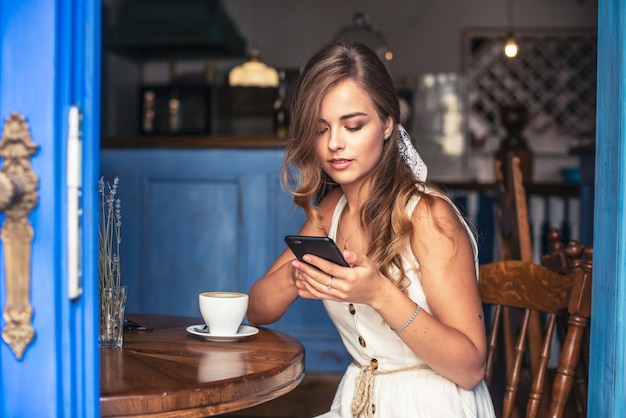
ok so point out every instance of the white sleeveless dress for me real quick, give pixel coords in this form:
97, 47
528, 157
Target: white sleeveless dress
416, 391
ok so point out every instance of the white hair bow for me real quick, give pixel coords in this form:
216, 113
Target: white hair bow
410, 156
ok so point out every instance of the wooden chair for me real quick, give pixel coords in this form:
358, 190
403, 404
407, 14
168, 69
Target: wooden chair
562, 259
534, 288
514, 244
512, 212
556, 259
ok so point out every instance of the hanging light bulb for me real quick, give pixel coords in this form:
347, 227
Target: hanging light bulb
511, 48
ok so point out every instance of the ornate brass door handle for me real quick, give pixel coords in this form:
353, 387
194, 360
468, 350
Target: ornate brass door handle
18, 197
7, 191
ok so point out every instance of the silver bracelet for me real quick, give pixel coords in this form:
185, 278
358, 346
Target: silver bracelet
407, 323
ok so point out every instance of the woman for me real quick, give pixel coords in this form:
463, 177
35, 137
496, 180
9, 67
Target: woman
407, 308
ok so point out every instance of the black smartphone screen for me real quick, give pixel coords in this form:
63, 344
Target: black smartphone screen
323, 247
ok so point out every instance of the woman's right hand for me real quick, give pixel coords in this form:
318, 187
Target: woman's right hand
362, 282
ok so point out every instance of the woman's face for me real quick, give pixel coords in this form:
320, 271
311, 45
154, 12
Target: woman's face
350, 134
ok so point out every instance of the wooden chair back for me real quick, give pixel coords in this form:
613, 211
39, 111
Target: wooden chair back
562, 259
512, 212
514, 244
534, 288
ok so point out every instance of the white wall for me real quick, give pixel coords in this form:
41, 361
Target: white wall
425, 35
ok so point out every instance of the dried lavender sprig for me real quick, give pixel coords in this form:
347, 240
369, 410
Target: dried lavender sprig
109, 236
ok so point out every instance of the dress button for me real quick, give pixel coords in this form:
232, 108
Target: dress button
361, 341
374, 363
351, 308
373, 409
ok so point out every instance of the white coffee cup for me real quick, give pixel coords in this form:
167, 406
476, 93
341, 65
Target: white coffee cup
223, 312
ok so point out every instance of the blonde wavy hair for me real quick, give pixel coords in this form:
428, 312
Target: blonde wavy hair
383, 216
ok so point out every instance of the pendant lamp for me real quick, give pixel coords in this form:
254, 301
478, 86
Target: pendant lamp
174, 29
361, 31
253, 73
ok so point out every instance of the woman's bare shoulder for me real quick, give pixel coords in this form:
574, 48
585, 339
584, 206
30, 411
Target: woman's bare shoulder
433, 209
439, 235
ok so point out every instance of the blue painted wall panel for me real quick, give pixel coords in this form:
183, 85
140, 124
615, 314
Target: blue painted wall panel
210, 219
189, 242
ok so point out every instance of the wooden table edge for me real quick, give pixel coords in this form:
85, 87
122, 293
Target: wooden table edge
296, 367
282, 379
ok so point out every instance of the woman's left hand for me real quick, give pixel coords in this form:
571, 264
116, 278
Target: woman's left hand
329, 281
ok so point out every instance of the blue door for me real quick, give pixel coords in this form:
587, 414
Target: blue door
49, 68
607, 362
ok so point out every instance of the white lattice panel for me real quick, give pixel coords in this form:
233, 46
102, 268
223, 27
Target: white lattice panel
553, 76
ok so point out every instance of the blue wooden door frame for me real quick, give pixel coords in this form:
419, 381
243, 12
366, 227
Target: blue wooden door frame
49, 61
607, 368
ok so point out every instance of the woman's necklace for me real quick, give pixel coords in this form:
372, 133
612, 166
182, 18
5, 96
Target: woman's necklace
345, 240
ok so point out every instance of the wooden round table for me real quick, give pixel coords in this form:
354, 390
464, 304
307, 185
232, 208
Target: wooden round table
169, 372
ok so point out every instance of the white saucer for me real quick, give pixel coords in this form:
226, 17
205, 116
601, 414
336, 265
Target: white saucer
243, 332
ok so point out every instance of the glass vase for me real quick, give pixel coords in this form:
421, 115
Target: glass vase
112, 305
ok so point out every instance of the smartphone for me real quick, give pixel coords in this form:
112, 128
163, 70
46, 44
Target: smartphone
323, 247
